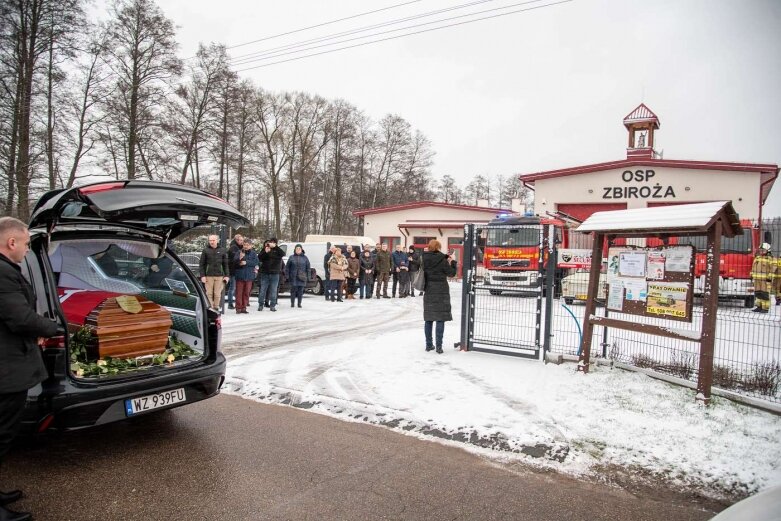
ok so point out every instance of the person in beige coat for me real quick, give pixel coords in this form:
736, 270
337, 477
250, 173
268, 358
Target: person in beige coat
337, 266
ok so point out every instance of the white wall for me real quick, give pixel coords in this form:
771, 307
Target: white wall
385, 224
742, 188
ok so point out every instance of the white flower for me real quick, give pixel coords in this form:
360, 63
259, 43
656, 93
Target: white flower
102, 362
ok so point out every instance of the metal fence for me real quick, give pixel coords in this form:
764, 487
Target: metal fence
549, 318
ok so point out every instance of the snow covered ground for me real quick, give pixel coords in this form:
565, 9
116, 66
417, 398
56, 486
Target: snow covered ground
365, 361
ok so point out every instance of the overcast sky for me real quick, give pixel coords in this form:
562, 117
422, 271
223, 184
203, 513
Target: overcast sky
536, 90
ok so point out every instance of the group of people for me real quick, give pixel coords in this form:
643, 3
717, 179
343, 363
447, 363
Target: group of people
350, 272
240, 265
372, 269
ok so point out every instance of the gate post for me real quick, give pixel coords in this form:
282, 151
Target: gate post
467, 287
550, 287
709, 314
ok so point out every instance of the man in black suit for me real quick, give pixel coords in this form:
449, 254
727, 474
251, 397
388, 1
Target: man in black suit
21, 332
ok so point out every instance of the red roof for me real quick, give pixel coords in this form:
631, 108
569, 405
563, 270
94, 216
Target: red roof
422, 204
640, 114
438, 224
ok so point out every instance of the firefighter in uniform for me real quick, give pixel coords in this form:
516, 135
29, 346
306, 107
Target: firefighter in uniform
763, 275
777, 282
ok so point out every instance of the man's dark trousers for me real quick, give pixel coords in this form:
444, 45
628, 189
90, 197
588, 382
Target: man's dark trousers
11, 407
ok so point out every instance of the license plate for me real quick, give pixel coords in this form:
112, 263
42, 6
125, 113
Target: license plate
581, 297
154, 401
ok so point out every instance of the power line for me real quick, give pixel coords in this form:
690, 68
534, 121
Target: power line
406, 34
245, 57
323, 24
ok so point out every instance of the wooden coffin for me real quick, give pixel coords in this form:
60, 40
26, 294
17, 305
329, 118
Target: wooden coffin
121, 334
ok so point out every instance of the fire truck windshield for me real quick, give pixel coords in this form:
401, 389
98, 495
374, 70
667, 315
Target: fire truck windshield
736, 244
513, 236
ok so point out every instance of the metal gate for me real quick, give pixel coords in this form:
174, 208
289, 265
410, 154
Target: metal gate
503, 301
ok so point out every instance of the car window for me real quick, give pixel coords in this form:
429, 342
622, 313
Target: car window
128, 267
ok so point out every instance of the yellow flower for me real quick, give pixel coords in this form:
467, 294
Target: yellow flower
170, 359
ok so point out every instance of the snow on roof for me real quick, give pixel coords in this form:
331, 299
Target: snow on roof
422, 204
684, 217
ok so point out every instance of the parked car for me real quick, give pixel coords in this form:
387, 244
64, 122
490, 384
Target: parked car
141, 337
315, 252
575, 287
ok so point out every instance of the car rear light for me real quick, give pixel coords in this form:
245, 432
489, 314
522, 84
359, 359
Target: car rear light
103, 187
218, 322
45, 423
55, 342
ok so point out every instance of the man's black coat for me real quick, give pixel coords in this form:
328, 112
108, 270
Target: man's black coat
21, 364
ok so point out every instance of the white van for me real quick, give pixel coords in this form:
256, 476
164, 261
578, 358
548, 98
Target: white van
342, 239
316, 250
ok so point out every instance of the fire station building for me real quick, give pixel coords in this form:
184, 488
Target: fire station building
414, 224
643, 180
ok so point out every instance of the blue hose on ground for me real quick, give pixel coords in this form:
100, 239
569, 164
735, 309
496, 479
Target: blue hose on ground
580, 331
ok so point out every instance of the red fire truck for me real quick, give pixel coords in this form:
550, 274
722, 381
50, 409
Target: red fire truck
737, 255
511, 253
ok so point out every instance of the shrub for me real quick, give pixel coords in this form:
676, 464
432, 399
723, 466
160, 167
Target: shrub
764, 379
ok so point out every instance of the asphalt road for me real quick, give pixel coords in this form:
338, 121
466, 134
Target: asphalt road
231, 458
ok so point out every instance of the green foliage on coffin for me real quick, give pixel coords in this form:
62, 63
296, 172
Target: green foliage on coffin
82, 366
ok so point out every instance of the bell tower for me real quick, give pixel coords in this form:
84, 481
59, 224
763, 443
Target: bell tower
641, 124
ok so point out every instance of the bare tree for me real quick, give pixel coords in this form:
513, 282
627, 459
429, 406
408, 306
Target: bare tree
142, 54
272, 119
29, 30
84, 103
195, 103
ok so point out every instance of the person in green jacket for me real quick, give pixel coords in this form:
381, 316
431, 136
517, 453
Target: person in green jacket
383, 270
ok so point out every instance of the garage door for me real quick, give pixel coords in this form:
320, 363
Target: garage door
582, 211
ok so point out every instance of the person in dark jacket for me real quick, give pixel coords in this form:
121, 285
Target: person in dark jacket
235, 246
215, 272
353, 274
21, 331
436, 298
413, 261
270, 268
367, 274
246, 261
383, 267
398, 264
297, 271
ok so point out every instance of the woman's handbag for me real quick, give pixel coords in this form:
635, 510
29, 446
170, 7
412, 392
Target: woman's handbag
301, 276
419, 280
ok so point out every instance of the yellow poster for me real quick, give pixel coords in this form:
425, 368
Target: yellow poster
667, 298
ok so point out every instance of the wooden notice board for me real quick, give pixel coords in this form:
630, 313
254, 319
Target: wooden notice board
652, 282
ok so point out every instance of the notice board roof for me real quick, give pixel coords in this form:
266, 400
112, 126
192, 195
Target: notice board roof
684, 219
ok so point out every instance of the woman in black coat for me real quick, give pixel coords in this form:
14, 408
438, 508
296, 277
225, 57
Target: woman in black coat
436, 297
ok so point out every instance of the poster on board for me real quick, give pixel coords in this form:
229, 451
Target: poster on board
656, 263
678, 259
631, 264
668, 299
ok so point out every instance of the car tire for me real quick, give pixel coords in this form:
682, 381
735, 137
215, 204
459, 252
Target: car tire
568, 301
319, 289
748, 302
